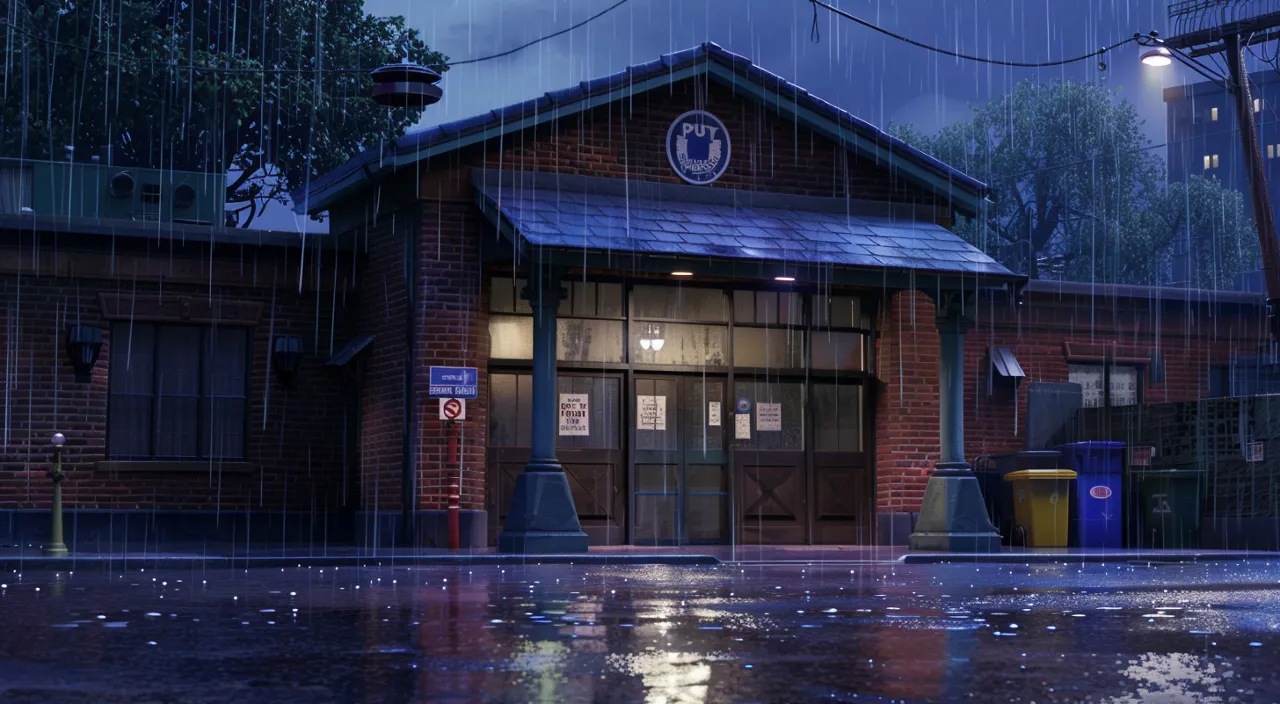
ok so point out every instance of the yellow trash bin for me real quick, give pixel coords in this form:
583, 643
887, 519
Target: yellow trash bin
1041, 504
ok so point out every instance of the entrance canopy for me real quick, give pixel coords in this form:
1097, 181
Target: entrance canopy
721, 231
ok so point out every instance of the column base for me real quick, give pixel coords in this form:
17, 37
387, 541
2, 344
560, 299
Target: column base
953, 517
56, 550
542, 519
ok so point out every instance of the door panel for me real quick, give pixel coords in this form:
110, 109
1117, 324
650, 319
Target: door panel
844, 503
593, 462
769, 465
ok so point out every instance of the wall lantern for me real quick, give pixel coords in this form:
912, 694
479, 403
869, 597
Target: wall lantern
286, 356
652, 337
84, 342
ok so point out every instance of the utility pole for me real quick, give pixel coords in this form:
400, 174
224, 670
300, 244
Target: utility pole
1229, 27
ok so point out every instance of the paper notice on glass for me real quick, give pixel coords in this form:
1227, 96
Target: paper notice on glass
713, 414
574, 419
768, 416
742, 426
1089, 377
1124, 386
651, 412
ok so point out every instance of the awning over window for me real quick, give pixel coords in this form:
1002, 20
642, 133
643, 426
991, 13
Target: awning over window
1005, 364
349, 351
568, 212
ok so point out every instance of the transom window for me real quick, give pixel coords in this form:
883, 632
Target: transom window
177, 392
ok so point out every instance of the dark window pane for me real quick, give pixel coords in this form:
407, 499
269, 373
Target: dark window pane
843, 312
705, 477
226, 362
838, 350
826, 423
584, 340
782, 422
657, 477
699, 433
177, 430
821, 314
502, 295
178, 361
609, 299
132, 352
679, 303
129, 426
772, 348
582, 297
222, 426
503, 410
694, 345
850, 401
744, 307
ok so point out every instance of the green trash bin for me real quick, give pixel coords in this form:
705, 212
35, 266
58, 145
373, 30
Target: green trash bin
1169, 505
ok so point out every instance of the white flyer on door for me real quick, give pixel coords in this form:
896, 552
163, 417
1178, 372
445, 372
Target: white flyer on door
742, 426
574, 418
768, 416
713, 414
651, 412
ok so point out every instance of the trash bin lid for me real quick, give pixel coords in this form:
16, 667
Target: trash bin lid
1040, 474
1093, 445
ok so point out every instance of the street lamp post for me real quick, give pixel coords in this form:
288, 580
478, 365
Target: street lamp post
56, 547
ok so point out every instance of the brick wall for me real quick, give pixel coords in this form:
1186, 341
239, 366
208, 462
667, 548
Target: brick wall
294, 442
453, 330
907, 406
627, 139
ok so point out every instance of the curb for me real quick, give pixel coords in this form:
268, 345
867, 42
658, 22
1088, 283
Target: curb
223, 561
1045, 558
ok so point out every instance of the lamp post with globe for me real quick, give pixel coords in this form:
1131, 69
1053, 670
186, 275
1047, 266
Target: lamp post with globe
56, 547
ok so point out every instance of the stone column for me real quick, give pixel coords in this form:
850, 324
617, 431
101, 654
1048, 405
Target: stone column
953, 517
542, 518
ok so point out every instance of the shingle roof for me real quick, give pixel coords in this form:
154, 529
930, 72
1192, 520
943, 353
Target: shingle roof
705, 58
576, 212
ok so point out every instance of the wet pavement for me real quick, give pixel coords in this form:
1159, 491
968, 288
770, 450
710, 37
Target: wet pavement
839, 631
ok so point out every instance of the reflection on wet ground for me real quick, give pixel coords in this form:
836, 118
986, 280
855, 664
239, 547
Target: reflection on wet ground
850, 633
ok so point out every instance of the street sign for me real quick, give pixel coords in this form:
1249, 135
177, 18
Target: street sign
1254, 452
453, 382
453, 409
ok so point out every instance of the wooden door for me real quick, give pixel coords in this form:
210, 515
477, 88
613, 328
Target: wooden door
843, 496
593, 461
769, 462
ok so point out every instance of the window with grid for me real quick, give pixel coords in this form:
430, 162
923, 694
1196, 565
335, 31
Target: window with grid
1107, 385
768, 329
588, 324
177, 392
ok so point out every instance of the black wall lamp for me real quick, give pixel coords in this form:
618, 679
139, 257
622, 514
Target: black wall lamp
286, 356
84, 343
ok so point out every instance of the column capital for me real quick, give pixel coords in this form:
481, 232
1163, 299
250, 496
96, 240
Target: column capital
955, 311
545, 288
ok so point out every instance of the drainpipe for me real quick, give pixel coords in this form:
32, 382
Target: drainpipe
409, 464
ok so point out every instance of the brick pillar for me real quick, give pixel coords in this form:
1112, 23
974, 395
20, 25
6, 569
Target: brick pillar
452, 330
906, 411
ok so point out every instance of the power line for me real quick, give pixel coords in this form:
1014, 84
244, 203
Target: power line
244, 70
955, 54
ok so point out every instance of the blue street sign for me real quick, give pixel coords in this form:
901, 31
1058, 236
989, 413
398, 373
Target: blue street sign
453, 382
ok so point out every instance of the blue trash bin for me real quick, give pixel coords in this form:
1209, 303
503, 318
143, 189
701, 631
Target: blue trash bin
1096, 520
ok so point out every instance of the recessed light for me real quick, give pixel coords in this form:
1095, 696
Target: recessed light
784, 279
682, 273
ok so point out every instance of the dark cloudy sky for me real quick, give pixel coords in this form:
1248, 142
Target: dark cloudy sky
875, 77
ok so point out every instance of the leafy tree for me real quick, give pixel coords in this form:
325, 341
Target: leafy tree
1079, 193
268, 91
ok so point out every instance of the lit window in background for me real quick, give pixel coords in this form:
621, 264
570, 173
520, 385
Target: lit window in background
1206, 161
1215, 161
1257, 104
1213, 114
1271, 151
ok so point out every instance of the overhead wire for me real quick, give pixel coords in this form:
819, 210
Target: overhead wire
265, 70
955, 54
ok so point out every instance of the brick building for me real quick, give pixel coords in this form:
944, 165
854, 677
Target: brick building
749, 294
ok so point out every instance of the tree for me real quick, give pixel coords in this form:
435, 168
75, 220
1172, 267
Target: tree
1079, 192
270, 92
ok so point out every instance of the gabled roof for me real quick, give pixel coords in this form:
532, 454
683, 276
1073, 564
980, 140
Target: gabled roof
710, 59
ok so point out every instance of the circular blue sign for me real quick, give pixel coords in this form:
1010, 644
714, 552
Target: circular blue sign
698, 147
744, 404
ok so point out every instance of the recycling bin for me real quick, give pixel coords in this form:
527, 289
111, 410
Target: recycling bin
1169, 508
997, 494
1041, 505
1096, 519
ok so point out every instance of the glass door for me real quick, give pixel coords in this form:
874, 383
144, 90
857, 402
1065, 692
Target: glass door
769, 462
680, 485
